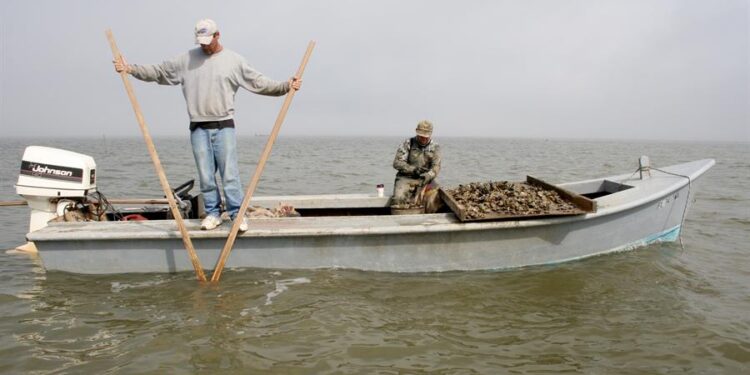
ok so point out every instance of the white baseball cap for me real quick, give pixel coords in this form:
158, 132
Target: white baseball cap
204, 31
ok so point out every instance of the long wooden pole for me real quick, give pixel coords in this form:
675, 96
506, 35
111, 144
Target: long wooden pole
259, 170
12, 203
157, 164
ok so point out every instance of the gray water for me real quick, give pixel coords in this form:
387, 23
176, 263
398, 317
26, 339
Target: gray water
658, 309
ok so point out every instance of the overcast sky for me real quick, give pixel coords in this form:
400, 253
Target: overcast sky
628, 69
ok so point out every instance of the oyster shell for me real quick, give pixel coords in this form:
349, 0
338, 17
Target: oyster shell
482, 199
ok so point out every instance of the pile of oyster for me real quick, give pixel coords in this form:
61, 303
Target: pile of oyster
481, 199
282, 210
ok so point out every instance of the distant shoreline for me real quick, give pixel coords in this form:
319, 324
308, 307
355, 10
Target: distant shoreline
108, 138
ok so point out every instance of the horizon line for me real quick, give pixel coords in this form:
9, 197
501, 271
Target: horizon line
603, 139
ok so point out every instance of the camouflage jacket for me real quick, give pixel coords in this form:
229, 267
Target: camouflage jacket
416, 161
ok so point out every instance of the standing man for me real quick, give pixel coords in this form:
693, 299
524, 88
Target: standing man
418, 164
210, 76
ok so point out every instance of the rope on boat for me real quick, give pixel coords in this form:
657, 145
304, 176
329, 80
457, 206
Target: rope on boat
687, 201
620, 188
102, 205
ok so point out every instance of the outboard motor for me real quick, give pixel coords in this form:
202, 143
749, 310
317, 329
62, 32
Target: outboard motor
52, 180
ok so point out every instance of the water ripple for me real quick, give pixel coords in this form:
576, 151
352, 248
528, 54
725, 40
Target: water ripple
658, 309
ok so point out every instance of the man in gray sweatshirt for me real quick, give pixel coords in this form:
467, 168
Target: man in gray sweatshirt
210, 77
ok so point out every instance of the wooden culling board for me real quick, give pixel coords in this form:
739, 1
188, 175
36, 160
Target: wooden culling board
583, 205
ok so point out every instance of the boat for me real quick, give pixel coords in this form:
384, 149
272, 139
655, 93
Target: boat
357, 231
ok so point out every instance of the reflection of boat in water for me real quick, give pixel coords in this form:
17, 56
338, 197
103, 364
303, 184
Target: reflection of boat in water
357, 231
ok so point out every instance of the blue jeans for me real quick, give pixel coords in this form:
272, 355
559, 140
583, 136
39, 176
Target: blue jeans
216, 150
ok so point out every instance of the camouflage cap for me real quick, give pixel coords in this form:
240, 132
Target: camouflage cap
424, 128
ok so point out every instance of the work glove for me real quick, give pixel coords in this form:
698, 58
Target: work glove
411, 170
425, 174
420, 172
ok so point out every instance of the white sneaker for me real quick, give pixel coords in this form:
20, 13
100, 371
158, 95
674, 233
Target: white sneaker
210, 222
243, 225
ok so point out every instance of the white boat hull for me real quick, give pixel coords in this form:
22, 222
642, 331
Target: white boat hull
652, 210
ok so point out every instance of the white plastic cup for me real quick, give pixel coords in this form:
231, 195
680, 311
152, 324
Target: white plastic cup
381, 190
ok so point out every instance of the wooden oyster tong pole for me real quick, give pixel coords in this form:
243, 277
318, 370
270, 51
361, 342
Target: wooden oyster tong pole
157, 164
259, 170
